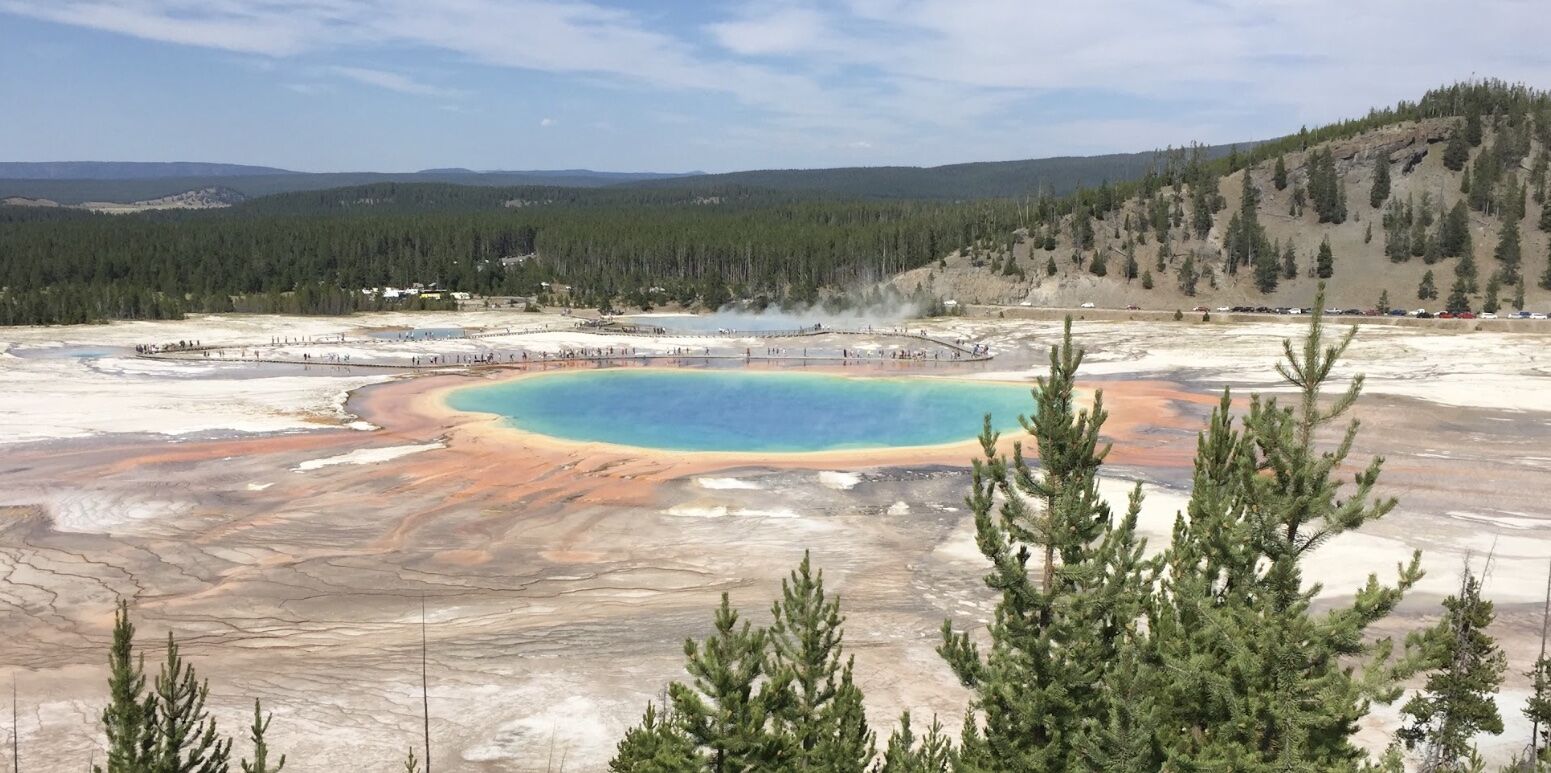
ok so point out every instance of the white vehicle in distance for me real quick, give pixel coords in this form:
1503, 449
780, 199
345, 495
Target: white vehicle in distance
1088, 305
1488, 315
1026, 303
1225, 308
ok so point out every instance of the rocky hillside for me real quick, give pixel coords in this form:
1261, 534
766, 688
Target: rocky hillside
1375, 250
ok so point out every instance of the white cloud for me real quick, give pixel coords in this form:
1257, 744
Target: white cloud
391, 81
546, 122
902, 72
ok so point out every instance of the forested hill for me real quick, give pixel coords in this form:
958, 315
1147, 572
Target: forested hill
992, 179
1461, 206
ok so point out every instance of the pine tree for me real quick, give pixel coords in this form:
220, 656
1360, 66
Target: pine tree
1099, 266
932, 753
1465, 272
1383, 302
1518, 294
1050, 267
727, 708
1380, 190
1147, 280
1279, 174
657, 745
1473, 128
411, 763
1289, 262
1427, 290
260, 763
1466, 669
130, 712
1545, 217
1188, 276
1133, 269
1454, 231
1059, 627
1545, 278
1459, 298
1457, 152
1326, 261
1253, 678
1507, 251
1538, 708
1494, 288
186, 737
822, 710
1325, 188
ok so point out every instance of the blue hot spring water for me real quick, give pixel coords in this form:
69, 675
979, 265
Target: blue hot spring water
747, 411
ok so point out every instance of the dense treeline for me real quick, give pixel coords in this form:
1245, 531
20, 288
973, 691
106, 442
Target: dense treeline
697, 246
1209, 655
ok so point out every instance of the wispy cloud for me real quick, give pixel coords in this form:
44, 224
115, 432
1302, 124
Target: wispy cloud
903, 71
391, 81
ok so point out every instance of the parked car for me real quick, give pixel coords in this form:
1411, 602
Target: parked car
1465, 315
1536, 315
1133, 307
1445, 315
1397, 312
1424, 314
1225, 308
1488, 315
1026, 303
1200, 308
1088, 305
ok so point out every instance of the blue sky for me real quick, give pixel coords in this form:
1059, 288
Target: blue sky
388, 85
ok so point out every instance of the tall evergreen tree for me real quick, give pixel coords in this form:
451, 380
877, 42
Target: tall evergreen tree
1459, 297
1427, 290
1473, 127
1067, 575
1545, 277
129, 715
822, 711
1494, 288
1467, 667
1254, 679
260, 763
1325, 187
1289, 261
1380, 189
1279, 174
1188, 277
728, 706
1507, 252
1325, 263
1465, 272
657, 745
1454, 231
186, 736
1457, 152
932, 753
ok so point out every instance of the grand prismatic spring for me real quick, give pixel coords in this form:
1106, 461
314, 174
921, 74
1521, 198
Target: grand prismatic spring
746, 411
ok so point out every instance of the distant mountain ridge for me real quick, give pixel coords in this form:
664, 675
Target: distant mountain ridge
127, 182
1057, 175
126, 170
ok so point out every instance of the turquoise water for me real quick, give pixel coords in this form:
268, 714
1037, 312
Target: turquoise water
737, 410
